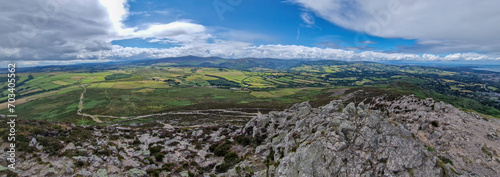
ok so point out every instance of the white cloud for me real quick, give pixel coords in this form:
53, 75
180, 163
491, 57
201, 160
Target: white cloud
182, 32
467, 24
238, 35
308, 19
67, 32
175, 32
52, 29
28, 63
232, 49
118, 12
368, 42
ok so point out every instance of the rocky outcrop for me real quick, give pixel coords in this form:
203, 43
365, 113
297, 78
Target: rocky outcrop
152, 149
466, 142
404, 137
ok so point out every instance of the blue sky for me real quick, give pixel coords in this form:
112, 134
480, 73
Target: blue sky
276, 22
66, 32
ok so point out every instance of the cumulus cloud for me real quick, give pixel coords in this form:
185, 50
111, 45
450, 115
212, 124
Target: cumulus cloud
232, 49
182, 32
62, 29
461, 24
67, 32
52, 29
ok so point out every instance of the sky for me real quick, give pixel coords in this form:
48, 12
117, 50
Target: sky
67, 32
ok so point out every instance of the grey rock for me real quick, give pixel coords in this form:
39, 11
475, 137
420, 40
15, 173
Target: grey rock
353, 141
95, 161
145, 153
101, 173
116, 161
84, 172
333, 106
49, 172
396, 137
197, 133
33, 142
492, 136
349, 110
134, 172
80, 159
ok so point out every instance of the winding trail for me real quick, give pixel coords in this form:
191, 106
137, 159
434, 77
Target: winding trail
193, 112
80, 107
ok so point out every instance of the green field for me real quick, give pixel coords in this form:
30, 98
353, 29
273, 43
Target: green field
143, 90
146, 92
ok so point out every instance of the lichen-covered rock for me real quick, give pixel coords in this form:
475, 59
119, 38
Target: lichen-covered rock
134, 172
101, 173
406, 137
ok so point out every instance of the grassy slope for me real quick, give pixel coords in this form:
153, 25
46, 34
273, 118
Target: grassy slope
55, 96
128, 102
460, 102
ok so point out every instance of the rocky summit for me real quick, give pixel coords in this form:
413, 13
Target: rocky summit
393, 136
407, 136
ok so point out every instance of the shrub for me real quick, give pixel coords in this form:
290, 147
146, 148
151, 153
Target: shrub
120, 157
155, 149
154, 172
230, 159
136, 142
243, 140
114, 137
445, 160
80, 134
168, 166
50, 144
193, 164
149, 160
485, 151
104, 152
80, 164
159, 157
175, 143
220, 149
128, 136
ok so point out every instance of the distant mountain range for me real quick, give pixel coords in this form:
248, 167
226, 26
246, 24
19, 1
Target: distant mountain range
243, 64
192, 61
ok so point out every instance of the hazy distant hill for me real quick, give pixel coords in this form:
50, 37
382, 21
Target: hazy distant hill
192, 61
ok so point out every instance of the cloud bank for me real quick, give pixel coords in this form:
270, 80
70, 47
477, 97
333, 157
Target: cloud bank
438, 26
242, 50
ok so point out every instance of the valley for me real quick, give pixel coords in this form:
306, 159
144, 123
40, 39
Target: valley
117, 92
194, 116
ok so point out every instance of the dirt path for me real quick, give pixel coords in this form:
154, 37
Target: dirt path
194, 112
80, 107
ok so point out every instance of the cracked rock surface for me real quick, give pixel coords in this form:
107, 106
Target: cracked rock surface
403, 137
